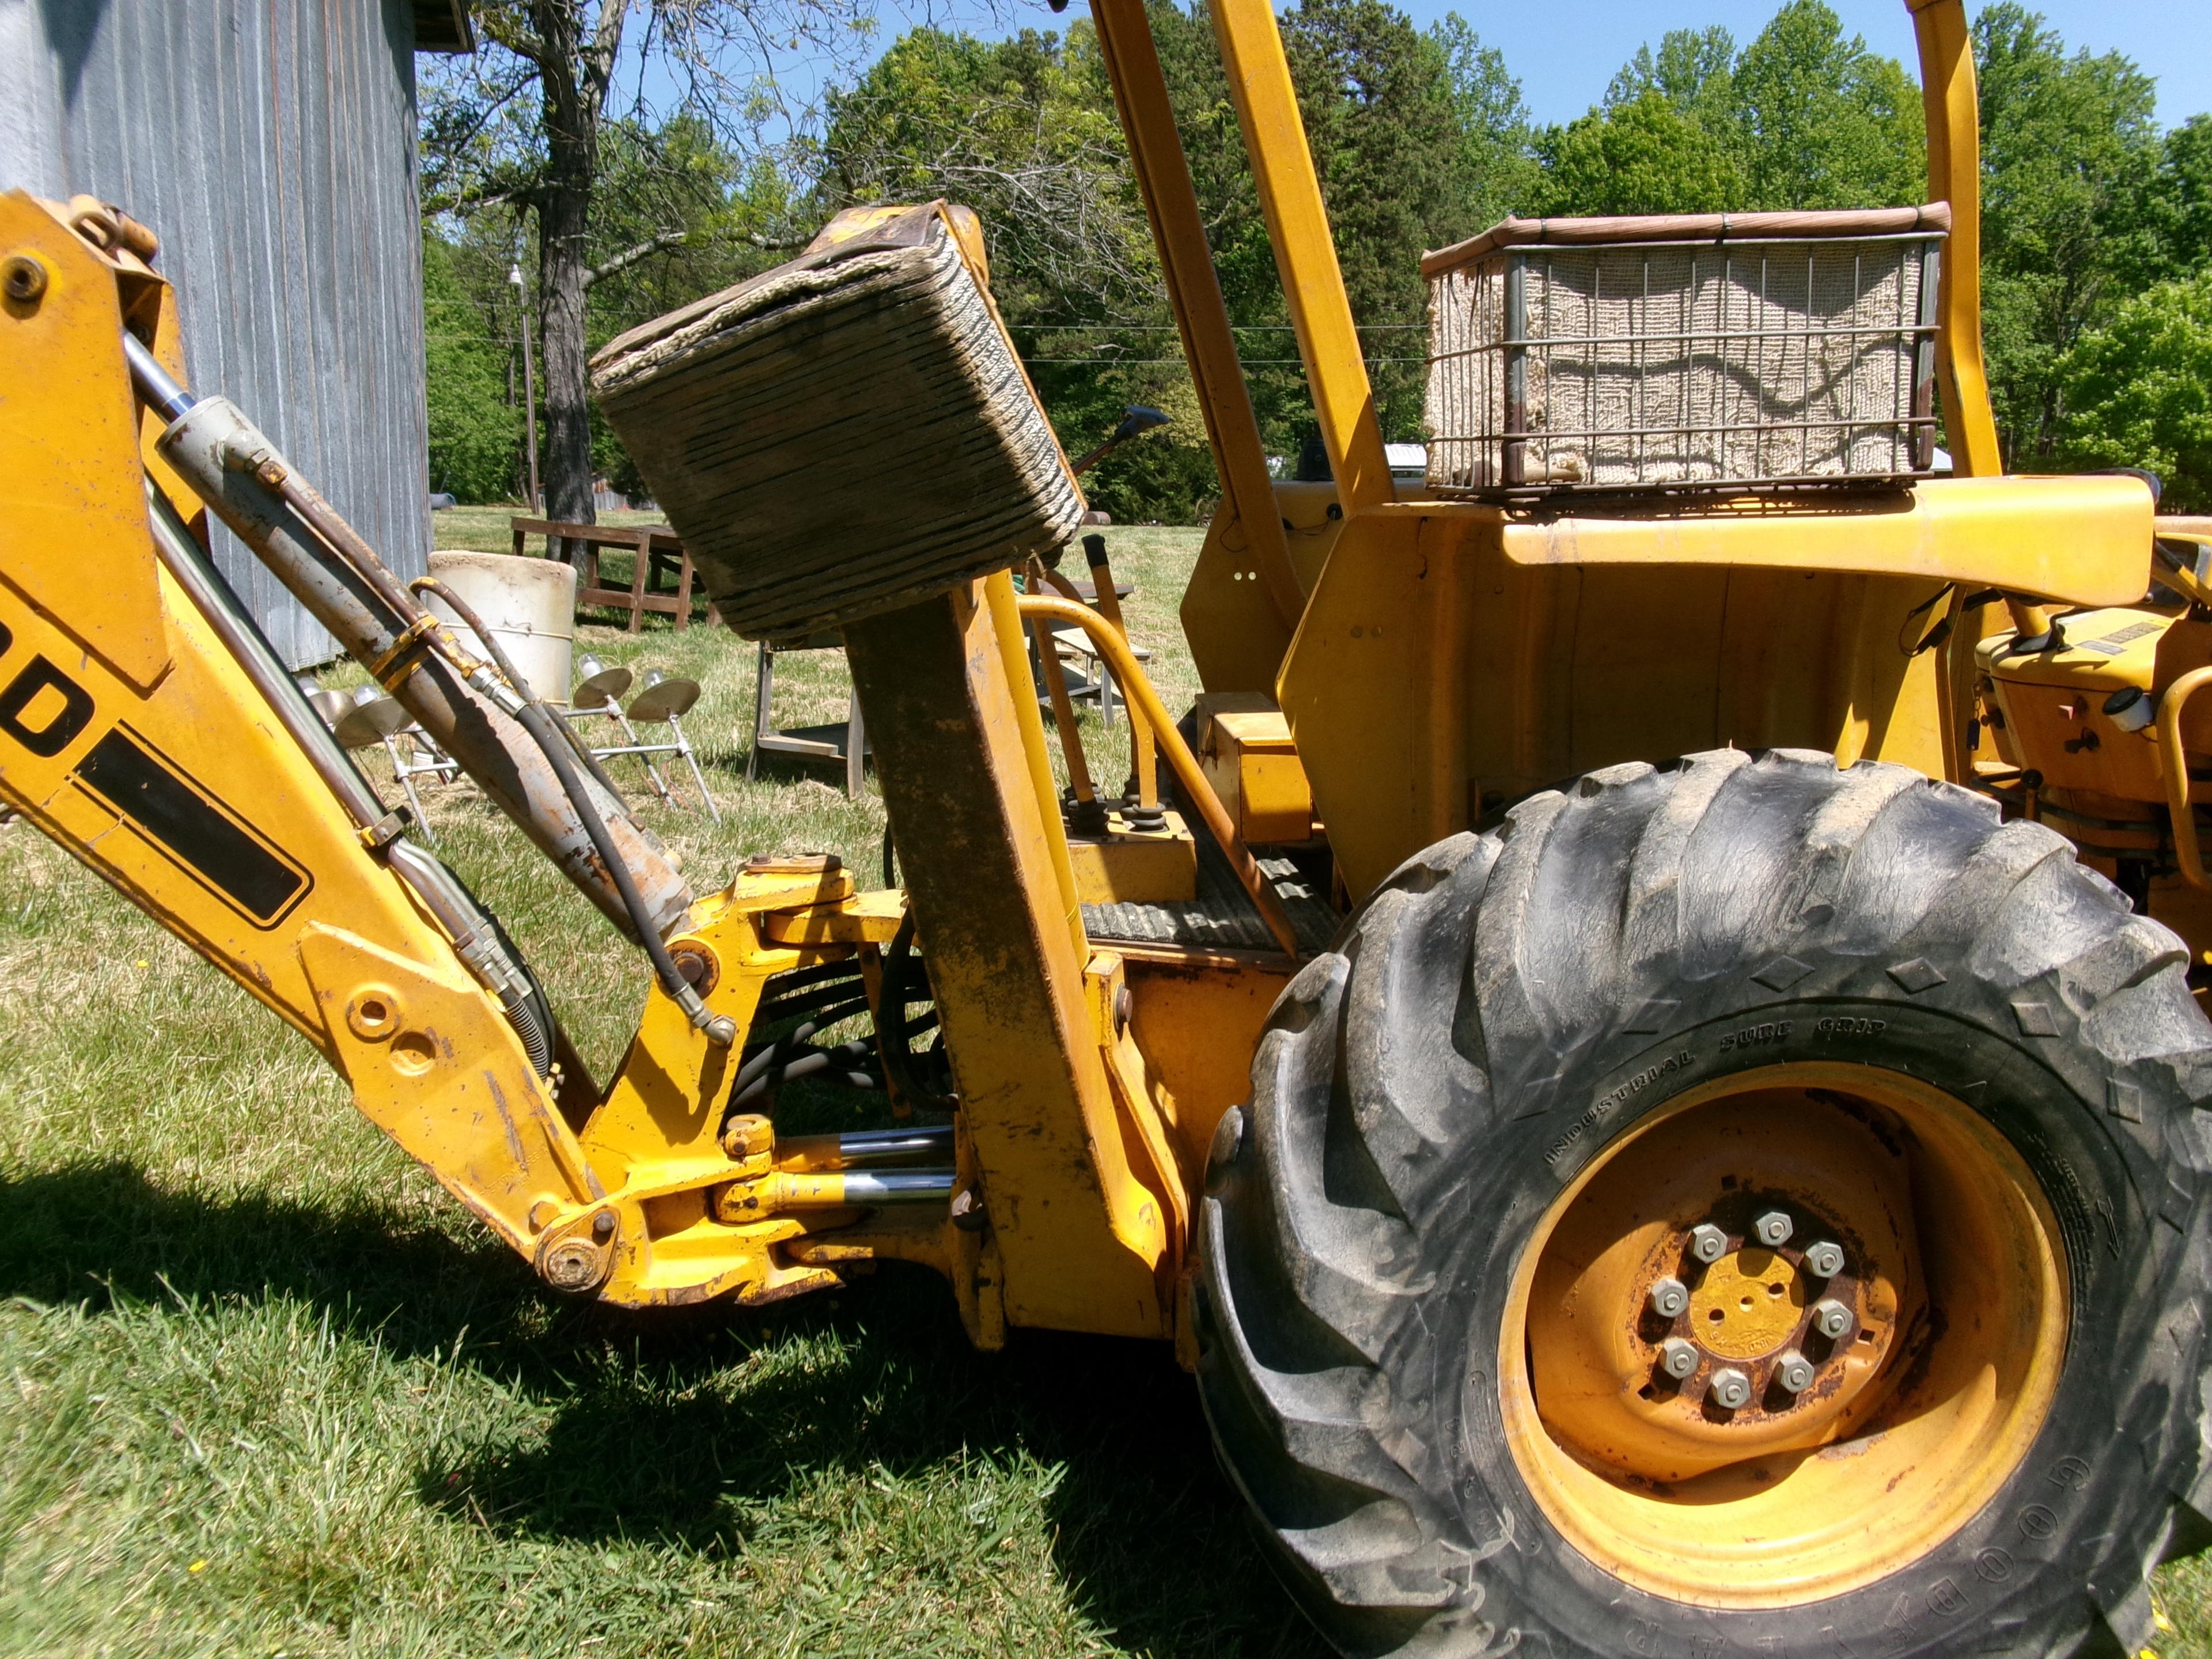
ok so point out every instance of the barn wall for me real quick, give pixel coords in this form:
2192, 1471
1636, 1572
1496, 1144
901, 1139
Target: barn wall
270, 145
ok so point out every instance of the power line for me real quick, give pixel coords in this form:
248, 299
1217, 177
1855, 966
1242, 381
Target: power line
1238, 328
1137, 362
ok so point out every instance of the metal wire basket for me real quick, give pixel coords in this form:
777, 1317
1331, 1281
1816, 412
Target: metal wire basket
1687, 351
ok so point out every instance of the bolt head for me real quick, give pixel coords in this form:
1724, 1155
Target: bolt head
573, 1265
1831, 1317
1773, 1228
1677, 1357
1708, 1242
1669, 1297
1793, 1372
1731, 1389
24, 278
1824, 1259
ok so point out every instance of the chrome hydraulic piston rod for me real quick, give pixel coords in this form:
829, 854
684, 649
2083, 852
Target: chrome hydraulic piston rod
234, 468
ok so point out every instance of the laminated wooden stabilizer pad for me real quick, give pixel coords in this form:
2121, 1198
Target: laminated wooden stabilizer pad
841, 435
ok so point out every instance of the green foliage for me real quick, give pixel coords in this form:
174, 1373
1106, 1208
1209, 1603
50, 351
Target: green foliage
1822, 121
1803, 117
474, 432
1647, 154
2138, 391
2067, 143
1497, 166
2172, 232
1694, 70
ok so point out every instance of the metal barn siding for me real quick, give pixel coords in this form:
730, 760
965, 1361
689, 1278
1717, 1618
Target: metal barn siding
270, 144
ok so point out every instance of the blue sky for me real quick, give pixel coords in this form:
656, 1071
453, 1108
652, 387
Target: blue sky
1565, 54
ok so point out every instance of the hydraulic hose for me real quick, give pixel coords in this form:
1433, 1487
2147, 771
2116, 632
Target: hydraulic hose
302, 540
512, 675
892, 998
474, 934
761, 1060
845, 1059
550, 731
803, 1002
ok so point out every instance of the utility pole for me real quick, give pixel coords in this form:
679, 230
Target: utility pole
529, 385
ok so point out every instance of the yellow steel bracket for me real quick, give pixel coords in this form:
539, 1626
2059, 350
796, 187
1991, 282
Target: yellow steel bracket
71, 479
2084, 540
655, 1141
709, 1202
1144, 1110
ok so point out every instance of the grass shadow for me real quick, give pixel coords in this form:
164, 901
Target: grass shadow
682, 1424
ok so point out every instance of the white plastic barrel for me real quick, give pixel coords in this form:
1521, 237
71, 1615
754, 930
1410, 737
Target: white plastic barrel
530, 604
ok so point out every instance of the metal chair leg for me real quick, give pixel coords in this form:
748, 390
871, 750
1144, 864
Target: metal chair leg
407, 776
683, 745
629, 737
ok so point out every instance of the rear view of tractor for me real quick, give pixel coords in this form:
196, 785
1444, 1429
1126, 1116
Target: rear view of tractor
1638, 1040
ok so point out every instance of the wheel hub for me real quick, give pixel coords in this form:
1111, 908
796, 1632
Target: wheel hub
1798, 1335
1748, 1305
1691, 1217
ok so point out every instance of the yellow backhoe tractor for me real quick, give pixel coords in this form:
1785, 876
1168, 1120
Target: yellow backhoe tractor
1638, 1040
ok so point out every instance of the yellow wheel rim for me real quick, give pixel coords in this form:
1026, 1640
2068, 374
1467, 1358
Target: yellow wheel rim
1676, 1400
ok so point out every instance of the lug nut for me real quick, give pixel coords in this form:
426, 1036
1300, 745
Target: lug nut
1772, 1229
1831, 1317
1793, 1371
1708, 1242
1678, 1359
1729, 1389
1824, 1259
1669, 1297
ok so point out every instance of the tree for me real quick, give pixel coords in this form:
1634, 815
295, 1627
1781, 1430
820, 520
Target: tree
1645, 155
1694, 70
1381, 114
1498, 169
524, 123
1821, 121
1024, 131
474, 426
2138, 391
2172, 232
1803, 117
2067, 143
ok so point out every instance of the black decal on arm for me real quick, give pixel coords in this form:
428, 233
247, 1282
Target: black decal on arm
192, 826
59, 732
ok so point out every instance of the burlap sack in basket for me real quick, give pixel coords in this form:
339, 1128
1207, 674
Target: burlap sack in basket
844, 435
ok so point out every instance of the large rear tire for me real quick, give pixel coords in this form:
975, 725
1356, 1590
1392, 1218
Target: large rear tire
1440, 1353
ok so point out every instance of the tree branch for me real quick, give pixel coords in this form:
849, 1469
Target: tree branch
630, 256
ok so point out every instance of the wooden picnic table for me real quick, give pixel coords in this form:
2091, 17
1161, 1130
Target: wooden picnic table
656, 548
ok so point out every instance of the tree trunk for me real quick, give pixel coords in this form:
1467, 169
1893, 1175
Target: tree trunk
562, 217
571, 93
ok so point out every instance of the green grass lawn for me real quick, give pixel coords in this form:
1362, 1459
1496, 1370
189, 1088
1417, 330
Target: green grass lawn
265, 1389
